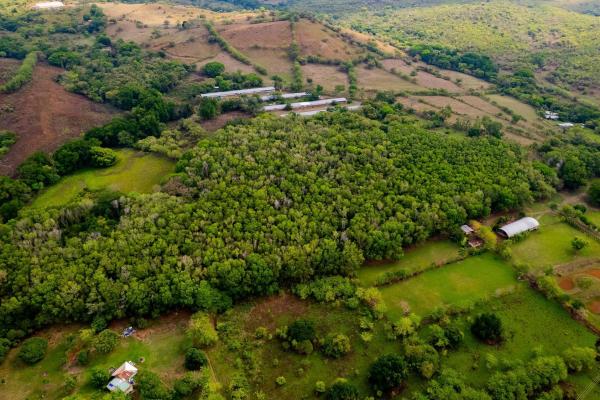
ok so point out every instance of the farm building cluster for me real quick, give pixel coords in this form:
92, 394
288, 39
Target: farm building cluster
270, 94
122, 378
523, 225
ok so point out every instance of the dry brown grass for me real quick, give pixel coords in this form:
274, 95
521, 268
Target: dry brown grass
44, 116
315, 39
422, 78
325, 75
379, 79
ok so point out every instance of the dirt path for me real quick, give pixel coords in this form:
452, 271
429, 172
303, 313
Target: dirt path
44, 116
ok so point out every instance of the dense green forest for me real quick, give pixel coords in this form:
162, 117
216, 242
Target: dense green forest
261, 205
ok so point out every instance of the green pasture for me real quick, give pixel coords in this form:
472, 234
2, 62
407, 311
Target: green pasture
460, 283
551, 245
134, 172
415, 259
531, 322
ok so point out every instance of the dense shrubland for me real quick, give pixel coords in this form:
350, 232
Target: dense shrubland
261, 205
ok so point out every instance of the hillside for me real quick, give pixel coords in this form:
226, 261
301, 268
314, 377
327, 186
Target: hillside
560, 45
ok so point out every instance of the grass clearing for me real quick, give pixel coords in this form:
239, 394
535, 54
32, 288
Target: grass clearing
551, 245
460, 283
417, 258
527, 317
134, 172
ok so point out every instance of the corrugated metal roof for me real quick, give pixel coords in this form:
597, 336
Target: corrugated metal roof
305, 104
284, 96
523, 225
239, 92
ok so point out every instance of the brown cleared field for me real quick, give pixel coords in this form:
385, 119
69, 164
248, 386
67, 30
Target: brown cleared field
415, 104
153, 14
327, 76
190, 45
231, 64
379, 79
275, 61
315, 39
424, 79
457, 106
518, 107
128, 31
481, 104
267, 35
44, 116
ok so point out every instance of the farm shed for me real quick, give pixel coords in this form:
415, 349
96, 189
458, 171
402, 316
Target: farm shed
283, 96
49, 5
241, 92
306, 104
123, 378
515, 228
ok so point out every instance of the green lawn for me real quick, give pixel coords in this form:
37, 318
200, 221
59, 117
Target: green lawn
530, 321
466, 281
551, 245
134, 172
594, 216
161, 348
418, 258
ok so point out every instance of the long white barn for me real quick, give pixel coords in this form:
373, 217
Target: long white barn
241, 92
305, 104
49, 5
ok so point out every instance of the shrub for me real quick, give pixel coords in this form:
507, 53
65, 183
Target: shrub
201, 331
301, 330
488, 328
342, 390
579, 358
195, 359
23, 75
4, 348
102, 157
280, 380
98, 378
213, 69
579, 243
106, 341
320, 387
83, 357
336, 346
387, 372
594, 193
208, 109
33, 350
151, 387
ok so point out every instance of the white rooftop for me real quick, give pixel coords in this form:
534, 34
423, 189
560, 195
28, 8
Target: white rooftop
523, 225
305, 104
240, 92
47, 5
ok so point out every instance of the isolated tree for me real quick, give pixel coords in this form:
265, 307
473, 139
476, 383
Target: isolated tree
195, 359
208, 109
487, 327
213, 69
106, 341
301, 329
594, 193
33, 350
336, 346
342, 390
99, 377
387, 372
579, 243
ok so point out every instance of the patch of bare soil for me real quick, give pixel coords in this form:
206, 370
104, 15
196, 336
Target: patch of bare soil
219, 122
265, 312
594, 306
566, 283
44, 116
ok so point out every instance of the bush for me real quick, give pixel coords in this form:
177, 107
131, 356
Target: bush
579, 243
336, 346
151, 387
213, 69
342, 390
280, 381
301, 330
208, 109
387, 372
23, 75
33, 350
106, 341
4, 348
195, 359
201, 331
579, 358
102, 157
594, 193
488, 328
83, 357
98, 378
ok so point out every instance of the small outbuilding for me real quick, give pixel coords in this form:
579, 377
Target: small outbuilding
123, 378
523, 225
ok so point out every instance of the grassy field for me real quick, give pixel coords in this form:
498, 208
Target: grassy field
134, 172
460, 283
551, 245
159, 346
418, 258
526, 317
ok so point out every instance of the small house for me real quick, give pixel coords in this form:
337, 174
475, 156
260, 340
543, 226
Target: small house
122, 378
523, 225
467, 230
551, 115
566, 125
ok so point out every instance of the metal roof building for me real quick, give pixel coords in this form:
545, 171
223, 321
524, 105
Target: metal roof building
241, 92
305, 104
49, 5
284, 96
515, 228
